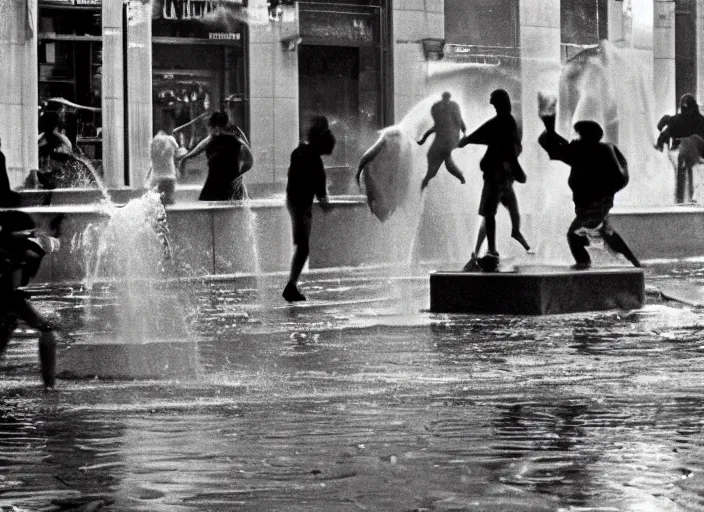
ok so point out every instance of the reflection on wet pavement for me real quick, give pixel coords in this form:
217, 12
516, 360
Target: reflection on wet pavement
362, 400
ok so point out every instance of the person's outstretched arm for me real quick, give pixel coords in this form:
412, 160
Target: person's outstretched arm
200, 147
368, 156
553, 143
482, 135
246, 157
426, 135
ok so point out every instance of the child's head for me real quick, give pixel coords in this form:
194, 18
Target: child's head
320, 136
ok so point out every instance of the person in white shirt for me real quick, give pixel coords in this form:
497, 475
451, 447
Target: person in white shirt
162, 176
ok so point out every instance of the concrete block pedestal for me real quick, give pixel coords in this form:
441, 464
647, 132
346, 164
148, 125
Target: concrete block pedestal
111, 358
537, 291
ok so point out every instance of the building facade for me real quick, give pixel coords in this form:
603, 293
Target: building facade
125, 69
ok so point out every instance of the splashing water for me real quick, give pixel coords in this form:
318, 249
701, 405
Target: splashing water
131, 252
611, 88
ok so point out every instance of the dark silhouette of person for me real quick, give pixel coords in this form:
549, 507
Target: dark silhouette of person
306, 180
500, 167
21, 253
448, 122
228, 156
8, 197
685, 132
598, 171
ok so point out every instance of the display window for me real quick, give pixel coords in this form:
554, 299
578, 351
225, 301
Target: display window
70, 74
199, 66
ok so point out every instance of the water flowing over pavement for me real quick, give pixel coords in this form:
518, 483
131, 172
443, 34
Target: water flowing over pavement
359, 399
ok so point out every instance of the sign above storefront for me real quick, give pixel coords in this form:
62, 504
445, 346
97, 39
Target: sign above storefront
197, 19
347, 25
85, 3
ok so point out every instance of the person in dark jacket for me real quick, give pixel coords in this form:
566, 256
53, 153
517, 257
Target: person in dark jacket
306, 180
228, 156
500, 167
21, 253
598, 171
448, 122
8, 197
685, 132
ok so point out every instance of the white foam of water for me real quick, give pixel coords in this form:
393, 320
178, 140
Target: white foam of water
131, 250
611, 87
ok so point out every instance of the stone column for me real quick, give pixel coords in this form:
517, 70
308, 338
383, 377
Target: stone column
700, 51
413, 21
139, 90
113, 108
540, 72
18, 101
664, 57
273, 101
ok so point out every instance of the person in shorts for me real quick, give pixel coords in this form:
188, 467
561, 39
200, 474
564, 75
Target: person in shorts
162, 176
306, 180
500, 168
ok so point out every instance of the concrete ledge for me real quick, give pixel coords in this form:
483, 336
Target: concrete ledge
537, 291
217, 237
111, 359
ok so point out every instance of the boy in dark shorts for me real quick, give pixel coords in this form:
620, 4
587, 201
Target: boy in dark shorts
306, 180
598, 171
500, 167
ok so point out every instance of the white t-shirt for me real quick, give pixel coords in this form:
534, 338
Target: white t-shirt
163, 150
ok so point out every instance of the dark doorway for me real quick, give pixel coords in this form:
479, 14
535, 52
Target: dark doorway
329, 84
685, 48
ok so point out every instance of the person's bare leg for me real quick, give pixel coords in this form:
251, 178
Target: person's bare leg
490, 224
433, 168
453, 169
511, 204
481, 236
300, 256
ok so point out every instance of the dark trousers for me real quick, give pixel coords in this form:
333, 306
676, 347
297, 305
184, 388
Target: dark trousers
14, 306
593, 216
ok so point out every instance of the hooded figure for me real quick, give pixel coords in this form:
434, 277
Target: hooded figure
597, 171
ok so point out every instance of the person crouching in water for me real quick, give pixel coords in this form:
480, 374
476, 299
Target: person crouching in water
228, 156
598, 171
21, 253
306, 179
500, 168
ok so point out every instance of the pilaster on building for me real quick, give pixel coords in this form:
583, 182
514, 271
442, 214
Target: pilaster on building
18, 101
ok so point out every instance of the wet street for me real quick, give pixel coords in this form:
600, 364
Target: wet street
359, 399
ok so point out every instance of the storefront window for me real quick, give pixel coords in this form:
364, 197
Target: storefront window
198, 68
70, 73
489, 23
